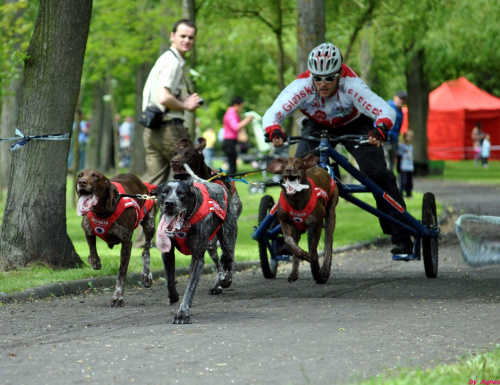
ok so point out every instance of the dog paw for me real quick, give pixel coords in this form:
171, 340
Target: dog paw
324, 275
182, 319
225, 283
216, 290
95, 263
174, 297
147, 280
116, 302
293, 278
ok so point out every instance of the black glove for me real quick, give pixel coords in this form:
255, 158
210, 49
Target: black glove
275, 134
380, 132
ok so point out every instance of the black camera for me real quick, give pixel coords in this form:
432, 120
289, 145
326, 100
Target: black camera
201, 101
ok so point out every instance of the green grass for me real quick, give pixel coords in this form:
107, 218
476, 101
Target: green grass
483, 368
468, 171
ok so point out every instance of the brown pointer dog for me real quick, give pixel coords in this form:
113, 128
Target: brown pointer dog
309, 197
187, 154
100, 204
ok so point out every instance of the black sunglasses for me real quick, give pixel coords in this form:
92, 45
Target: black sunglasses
327, 79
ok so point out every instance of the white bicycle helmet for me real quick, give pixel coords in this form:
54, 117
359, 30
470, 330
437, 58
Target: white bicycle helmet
325, 59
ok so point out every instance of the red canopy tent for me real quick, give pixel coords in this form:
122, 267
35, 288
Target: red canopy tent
454, 109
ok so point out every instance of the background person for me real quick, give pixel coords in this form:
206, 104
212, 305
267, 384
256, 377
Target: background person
405, 150
83, 138
391, 145
477, 138
332, 96
125, 138
232, 125
485, 150
209, 151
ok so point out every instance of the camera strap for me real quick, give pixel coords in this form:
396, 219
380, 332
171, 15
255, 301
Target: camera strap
183, 78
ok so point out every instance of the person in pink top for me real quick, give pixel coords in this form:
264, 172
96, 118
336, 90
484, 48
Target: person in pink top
233, 124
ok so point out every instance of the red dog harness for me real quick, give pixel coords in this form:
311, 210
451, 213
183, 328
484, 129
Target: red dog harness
208, 206
101, 226
299, 216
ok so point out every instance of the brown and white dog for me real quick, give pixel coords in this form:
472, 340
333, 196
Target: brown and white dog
113, 217
308, 200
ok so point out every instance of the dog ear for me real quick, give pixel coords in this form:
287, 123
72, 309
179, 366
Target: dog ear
274, 167
184, 142
311, 160
112, 195
202, 143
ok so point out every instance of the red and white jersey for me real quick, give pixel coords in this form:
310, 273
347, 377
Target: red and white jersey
352, 98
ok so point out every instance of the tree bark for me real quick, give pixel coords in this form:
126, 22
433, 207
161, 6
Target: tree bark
310, 29
93, 149
138, 161
34, 223
189, 12
418, 108
310, 34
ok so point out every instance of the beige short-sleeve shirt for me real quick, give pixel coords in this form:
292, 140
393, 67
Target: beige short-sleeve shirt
166, 73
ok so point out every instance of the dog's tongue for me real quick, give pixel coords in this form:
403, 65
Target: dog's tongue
85, 204
163, 242
294, 186
168, 223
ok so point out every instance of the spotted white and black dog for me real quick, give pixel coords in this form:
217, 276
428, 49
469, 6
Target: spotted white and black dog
192, 214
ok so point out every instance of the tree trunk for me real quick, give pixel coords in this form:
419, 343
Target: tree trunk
138, 161
418, 108
92, 151
189, 12
310, 29
310, 34
34, 223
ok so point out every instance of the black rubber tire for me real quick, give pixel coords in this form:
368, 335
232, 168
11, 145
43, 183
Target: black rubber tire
268, 265
430, 246
315, 268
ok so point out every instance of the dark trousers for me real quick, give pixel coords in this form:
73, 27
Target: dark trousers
406, 182
229, 148
371, 162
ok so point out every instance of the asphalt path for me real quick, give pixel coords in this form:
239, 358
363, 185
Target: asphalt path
373, 316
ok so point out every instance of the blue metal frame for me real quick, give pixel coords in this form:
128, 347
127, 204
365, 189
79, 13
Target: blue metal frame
413, 226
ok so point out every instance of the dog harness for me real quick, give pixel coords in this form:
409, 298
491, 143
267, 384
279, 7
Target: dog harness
208, 206
221, 182
299, 216
101, 225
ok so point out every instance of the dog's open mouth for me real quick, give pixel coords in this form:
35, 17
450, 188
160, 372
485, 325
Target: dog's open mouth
85, 203
179, 170
292, 184
167, 227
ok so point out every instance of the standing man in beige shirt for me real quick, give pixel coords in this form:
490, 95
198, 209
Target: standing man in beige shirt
167, 89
